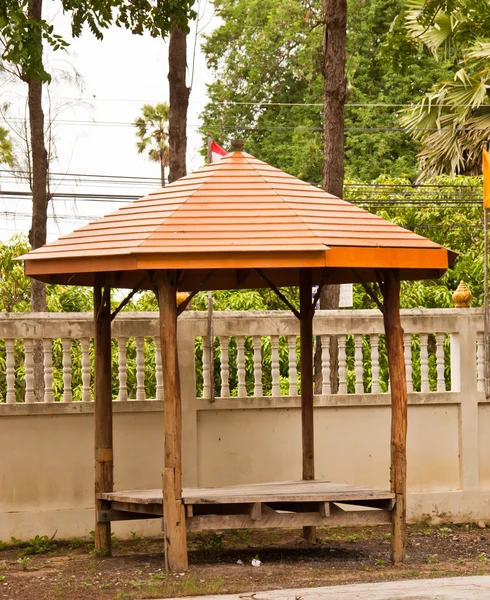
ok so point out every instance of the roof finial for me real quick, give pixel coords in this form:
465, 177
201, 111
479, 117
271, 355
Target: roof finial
237, 145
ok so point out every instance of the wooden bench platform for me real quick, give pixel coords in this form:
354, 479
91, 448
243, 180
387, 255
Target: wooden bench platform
287, 504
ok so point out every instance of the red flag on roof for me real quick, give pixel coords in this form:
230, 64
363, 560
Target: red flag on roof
217, 152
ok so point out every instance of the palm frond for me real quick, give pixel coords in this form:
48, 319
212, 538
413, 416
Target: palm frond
441, 28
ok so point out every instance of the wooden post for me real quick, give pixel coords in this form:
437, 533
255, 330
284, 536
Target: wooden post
104, 478
306, 341
398, 382
173, 508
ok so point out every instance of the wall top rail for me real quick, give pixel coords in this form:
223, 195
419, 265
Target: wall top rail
335, 321
76, 408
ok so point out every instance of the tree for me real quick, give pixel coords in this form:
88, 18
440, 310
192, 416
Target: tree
268, 88
452, 119
152, 130
6, 150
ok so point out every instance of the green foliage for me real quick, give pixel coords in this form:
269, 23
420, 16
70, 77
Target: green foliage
212, 542
6, 150
24, 562
459, 228
452, 119
40, 544
269, 53
152, 131
23, 36
15, 287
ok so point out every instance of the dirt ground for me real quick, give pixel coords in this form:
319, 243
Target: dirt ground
220, 563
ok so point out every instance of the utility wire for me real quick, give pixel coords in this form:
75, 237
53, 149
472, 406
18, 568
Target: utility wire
227, 102
267, 127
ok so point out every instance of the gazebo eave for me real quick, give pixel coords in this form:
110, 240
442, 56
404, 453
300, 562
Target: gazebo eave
235, 269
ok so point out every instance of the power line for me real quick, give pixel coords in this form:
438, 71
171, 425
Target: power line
113, 178
268, 127
259, 103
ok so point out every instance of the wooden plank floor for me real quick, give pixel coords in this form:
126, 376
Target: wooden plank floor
281, 491
288, 504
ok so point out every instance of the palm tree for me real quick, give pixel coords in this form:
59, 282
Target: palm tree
152, 130
452, 120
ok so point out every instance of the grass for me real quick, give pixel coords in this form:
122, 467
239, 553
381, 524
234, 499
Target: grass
175, 585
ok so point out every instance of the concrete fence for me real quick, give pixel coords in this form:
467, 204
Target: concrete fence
250, 431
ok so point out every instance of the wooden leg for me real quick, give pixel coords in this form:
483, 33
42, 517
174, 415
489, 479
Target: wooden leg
104, 479
173, 507
306, 340
396, 365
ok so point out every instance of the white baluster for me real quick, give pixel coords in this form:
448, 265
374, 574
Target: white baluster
29, 366
10, 349
358, 363
441, 382
240, 344
158, 370
225, 370
325, 341
206, 389
375, 389
123, 369
342, 365
85, 345
424, 363
480, 362
140, 368
407, 353
48, 370
276, 388
67, 393
292, 361
257, 342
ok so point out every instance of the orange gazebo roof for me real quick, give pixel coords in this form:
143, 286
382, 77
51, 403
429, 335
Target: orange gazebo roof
232, 217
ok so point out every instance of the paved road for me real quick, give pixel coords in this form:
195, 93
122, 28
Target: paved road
455, 588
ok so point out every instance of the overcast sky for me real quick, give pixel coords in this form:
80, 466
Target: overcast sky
93, 130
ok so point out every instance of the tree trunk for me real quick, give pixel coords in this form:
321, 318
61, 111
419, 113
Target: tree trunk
179, 101
334, 91
162, 172
39, 185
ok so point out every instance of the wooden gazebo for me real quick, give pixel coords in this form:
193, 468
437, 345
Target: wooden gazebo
238, 223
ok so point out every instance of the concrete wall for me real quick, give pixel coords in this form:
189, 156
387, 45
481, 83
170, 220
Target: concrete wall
47, 468
46, 450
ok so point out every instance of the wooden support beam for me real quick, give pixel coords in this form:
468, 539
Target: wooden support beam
106, 516
256, 511
398, 380
306, 342
173, 507
104, 478
271, 518
324, 509
278, 292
